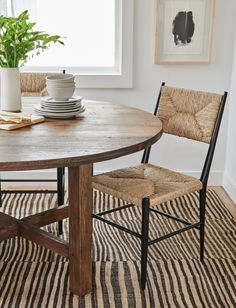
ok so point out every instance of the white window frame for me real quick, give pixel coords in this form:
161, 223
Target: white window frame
119, 76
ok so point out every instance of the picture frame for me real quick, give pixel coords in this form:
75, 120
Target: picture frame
184, 31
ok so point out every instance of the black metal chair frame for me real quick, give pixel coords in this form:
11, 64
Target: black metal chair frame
200, 225
60, 191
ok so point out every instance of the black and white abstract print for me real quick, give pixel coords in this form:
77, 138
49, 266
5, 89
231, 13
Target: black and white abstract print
183, 28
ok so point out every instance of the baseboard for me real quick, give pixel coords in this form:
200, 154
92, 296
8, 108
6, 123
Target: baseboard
215, 178
230, 186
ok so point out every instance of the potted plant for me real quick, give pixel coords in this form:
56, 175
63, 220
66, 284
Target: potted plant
18, 43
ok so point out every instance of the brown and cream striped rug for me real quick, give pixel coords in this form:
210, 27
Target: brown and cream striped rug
31, 276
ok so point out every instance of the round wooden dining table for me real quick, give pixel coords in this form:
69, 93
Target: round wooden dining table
104, 131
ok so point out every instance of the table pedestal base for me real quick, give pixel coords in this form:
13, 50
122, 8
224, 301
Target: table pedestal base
78, 249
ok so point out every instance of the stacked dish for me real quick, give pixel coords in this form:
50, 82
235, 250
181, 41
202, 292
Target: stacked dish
60, 87
60, 109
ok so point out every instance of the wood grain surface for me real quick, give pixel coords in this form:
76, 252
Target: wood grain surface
104, 131
80, 230
35, 119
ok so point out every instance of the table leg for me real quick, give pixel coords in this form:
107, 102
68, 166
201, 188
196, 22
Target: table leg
80, 228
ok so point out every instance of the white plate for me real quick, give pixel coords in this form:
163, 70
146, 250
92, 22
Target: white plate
60, 111
41, 109
61, 104
59, 114
70, 100
52, 107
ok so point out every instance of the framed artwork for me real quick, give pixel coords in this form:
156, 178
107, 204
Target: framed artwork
184, 31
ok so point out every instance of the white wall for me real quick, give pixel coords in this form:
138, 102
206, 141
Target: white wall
229, 181
177, 153
147, 77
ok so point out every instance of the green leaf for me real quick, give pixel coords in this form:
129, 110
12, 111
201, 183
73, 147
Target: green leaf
19, 41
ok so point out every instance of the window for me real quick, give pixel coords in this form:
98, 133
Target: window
98, 38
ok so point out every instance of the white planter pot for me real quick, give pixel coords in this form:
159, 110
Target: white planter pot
10, 89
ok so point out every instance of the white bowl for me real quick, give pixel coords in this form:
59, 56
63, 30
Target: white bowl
62, 94
60, 77
49, 81
61, 84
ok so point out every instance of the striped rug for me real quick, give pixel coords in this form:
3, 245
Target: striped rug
32, 276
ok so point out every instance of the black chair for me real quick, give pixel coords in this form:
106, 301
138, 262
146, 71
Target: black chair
186, 113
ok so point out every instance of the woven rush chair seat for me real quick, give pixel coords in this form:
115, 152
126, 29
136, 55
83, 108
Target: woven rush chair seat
185, 113
146, 181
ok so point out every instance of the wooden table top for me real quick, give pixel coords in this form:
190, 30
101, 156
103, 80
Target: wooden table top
104, 131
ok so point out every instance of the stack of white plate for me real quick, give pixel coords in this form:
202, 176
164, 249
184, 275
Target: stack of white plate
51, 108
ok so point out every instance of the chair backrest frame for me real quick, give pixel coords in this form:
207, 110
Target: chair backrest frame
212, 143
146, 153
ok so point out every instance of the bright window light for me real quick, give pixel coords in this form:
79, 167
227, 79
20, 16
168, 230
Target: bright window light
89, 28
98, 38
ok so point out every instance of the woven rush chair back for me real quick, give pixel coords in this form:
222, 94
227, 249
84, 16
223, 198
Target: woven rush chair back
188, 113
34, 84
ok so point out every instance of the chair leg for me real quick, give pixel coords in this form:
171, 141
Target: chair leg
60, 193
0, 192
202, 199
144, 241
